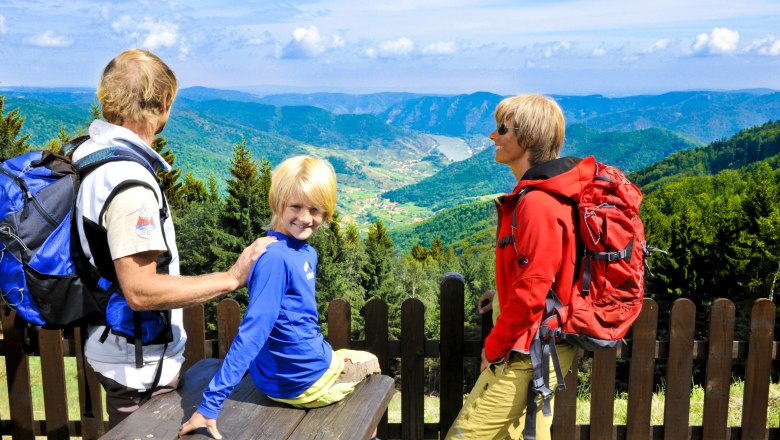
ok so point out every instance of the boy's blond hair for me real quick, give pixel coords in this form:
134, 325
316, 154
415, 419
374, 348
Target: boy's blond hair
538, 123
306, 177
134, 86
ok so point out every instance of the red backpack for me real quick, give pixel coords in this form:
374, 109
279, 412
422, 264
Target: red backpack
607, 295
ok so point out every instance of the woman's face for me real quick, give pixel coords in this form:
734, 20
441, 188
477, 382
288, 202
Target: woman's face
505, 138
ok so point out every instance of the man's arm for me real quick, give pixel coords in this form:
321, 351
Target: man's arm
145, 289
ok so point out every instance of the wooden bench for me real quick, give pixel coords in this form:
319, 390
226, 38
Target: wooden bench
249, 414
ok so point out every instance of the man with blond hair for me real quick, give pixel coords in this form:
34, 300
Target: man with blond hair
126, 233
536, 249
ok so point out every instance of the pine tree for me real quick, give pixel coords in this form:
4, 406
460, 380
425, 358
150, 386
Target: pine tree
193, 190
379, 250
11, 144
169, 181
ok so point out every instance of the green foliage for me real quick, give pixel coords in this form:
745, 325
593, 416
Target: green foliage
11, 143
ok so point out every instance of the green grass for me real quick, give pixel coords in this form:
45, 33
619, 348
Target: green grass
71, 387
737, 390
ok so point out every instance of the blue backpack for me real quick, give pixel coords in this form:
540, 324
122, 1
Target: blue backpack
44, 276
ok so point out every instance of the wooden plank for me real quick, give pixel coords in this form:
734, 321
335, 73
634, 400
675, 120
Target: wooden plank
195, 326
718, 380
412, 368
602, 393
451, 346
377, 335
339, 323
92, 423
640, 381
354, 418
565, 414
228, 320
247, 413
757, 369
55, 396
679, 369
17, 368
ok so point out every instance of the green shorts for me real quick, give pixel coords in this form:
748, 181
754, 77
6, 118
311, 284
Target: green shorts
496, 406
347, 369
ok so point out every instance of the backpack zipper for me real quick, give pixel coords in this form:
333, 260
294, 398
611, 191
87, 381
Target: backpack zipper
8, 232
29, 197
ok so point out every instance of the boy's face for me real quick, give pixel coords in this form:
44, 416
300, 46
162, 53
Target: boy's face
300, 218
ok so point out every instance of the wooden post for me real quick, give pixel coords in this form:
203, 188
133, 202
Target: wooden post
759, 362
195, 326
228, 320
602, 393
679, 369
412, 369
339, 324
640, 381
718, 381
451, 350
17, 368
377, 338
55, 396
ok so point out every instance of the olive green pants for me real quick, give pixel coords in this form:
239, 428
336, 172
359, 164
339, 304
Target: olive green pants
496, 406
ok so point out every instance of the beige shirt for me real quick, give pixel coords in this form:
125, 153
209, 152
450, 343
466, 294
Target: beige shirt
132, 220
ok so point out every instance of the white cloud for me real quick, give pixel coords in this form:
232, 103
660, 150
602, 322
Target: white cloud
769, 45
598, 52
396, 48
440, 48
659, 46
338, 41
149, 34
549, 50
3, 27
719, 41
49, 39
305, 43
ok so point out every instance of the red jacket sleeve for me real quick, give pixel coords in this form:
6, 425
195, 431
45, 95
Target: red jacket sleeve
523, 278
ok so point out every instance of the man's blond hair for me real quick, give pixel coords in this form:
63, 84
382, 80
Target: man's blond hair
134, 87
538, 123
302, 177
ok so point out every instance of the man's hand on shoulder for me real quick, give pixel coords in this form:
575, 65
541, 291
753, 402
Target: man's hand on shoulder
243, 265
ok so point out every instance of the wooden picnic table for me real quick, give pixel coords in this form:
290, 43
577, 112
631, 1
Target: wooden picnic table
249, 414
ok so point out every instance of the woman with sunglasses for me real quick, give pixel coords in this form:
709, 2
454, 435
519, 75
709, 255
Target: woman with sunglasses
535, 252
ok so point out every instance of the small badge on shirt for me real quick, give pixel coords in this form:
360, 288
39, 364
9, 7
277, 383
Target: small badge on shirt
144, 226
307, 269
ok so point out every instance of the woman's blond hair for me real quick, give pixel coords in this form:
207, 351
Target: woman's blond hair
134, 87
538, 123
302, 177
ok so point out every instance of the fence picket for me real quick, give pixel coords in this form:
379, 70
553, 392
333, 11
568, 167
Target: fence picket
17, 368
640, 379
377, 338
412, 369
759, 362
602, 393
228, 320
55, 396
565, 414
339, 324
451, 350
194, 326
718, 380
679, 369
92, 424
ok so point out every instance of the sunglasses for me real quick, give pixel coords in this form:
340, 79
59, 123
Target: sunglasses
503, 129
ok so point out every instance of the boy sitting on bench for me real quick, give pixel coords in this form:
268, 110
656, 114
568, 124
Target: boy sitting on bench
279, 339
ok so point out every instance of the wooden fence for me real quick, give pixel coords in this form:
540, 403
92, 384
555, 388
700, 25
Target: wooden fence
719, 351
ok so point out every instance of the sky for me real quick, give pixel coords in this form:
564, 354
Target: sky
575, 47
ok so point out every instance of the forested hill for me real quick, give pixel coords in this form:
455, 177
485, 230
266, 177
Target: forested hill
700, 115
746, 147
480, 175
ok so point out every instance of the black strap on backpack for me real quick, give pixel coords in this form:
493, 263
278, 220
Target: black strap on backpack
87, 164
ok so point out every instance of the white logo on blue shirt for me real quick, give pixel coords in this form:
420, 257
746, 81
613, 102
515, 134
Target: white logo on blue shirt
308, 270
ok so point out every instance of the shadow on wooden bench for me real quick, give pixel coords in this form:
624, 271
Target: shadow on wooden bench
249, 414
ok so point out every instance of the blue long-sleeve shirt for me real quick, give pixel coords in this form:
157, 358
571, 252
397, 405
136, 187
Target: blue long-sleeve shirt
279, 339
